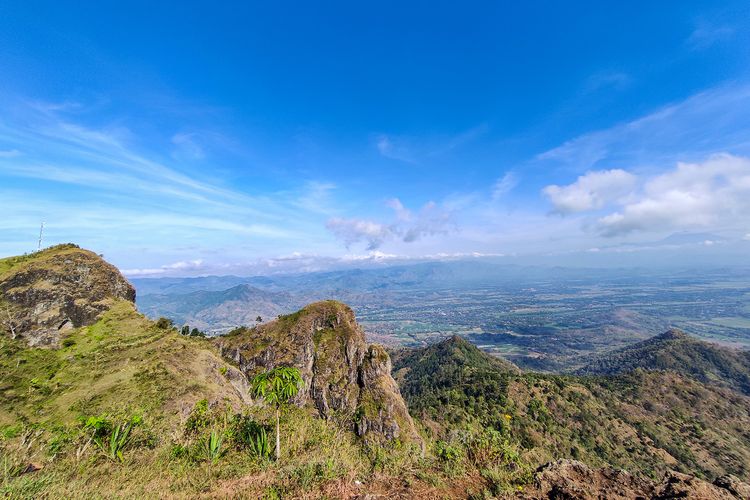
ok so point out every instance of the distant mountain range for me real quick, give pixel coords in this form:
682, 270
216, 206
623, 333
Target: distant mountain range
219, 303
222, 310
450, 274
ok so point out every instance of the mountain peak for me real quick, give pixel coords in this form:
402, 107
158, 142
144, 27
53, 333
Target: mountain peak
672, 334
676, 351
342, 374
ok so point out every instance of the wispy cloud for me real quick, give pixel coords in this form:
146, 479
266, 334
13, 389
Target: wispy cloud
394, 149
181, 267
408, 227
504, 185
187, 146
100, 183
617, 80
706, 34
418, 150
673, 133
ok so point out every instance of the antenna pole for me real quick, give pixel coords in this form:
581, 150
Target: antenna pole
41, 230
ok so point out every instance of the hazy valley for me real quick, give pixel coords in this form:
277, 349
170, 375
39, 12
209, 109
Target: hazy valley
540, 318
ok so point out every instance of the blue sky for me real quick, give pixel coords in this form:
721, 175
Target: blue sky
191, 138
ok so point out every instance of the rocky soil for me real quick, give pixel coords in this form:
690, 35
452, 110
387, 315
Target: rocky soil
570, 479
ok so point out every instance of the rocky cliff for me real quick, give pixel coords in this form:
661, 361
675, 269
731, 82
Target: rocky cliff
56, 289
344, 378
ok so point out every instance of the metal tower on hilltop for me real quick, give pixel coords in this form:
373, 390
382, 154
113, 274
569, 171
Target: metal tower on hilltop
41, 230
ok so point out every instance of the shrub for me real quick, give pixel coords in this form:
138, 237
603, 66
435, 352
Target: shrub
111, 439
250, 435
448, 452
164, 323
199, 417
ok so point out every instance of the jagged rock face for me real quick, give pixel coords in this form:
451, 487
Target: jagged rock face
570, 479
59, 288
381, 406
344, 378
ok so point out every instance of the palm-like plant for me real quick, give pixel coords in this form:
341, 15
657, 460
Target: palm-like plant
213, 446
277, 387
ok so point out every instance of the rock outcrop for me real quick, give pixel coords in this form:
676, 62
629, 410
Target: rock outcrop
59, 288
344, 378
570, 479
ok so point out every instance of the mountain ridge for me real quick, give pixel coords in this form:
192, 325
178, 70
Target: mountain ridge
677, 351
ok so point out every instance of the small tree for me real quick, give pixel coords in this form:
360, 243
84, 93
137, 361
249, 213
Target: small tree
185, 330
259, 319
277, 387
8, 321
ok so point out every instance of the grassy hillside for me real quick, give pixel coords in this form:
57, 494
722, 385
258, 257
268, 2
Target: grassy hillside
128, 407
678, 352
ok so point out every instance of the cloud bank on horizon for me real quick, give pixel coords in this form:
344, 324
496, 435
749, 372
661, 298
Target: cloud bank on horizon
192, 151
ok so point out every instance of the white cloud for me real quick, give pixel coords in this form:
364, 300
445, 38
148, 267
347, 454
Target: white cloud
374, 255
408, 227
187, 266
590, 191
12, 153
709, 194
504, 185
352, 231
430, 221
402, 213
747, 237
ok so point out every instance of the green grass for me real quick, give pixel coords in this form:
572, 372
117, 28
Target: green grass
124, 366
8, 263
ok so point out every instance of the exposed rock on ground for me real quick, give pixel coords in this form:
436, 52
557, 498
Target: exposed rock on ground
344, 378
570, 479
60, 288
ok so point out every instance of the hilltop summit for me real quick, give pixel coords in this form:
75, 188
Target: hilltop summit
676, 351
57, 289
